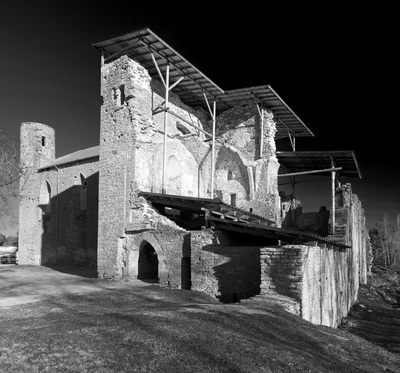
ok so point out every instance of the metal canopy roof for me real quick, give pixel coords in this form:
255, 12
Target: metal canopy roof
141, 44
284, 234
288, 121
303, 161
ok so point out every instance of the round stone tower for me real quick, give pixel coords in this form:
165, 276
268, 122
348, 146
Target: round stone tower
38, 144
37, 148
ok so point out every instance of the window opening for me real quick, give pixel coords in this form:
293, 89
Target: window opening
233, 200
45, 198
83, 195
181, 128
119, 95
43, 141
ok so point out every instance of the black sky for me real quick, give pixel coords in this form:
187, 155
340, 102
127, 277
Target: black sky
334, 65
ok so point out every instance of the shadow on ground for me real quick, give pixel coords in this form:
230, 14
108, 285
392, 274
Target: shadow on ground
80, 271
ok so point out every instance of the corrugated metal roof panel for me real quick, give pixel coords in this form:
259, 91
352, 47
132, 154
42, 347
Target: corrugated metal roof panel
141, 44
318, 160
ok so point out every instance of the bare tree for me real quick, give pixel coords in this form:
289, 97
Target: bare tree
385, 240
9, 180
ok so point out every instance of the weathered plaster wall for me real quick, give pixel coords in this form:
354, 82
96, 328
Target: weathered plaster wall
186, 150
241, 168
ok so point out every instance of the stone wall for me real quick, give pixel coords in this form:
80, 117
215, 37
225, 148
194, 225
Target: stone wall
317, 278
316, 222
70, 228
323, 280
58, 208
351, 229
242, 169
170, 242
229, 273
37, 147
131, 153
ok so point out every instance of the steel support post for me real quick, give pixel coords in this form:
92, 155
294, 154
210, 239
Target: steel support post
213, 114
262, 132
167, 89
213, 151
333, 182
163, 188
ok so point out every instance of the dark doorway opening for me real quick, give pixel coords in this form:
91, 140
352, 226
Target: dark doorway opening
148, 263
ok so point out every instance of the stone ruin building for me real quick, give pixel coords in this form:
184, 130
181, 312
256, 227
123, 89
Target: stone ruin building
183, 189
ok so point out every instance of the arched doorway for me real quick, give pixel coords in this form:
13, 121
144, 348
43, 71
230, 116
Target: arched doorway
147, 263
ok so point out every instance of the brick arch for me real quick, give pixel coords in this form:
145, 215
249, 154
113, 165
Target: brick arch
138, 242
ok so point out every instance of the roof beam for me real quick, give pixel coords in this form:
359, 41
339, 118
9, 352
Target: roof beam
121, 51
333, 169
148, 45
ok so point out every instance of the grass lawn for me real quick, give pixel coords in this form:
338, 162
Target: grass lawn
121, 327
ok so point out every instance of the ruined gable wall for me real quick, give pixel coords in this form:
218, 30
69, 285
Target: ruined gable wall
254, 171
131, 147
126, 110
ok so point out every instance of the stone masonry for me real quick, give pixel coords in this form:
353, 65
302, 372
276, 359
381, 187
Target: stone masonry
322, 280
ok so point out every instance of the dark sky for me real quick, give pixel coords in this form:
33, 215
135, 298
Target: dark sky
333, 65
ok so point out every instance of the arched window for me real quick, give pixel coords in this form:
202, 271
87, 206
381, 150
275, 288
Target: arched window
45, 197
83, 193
